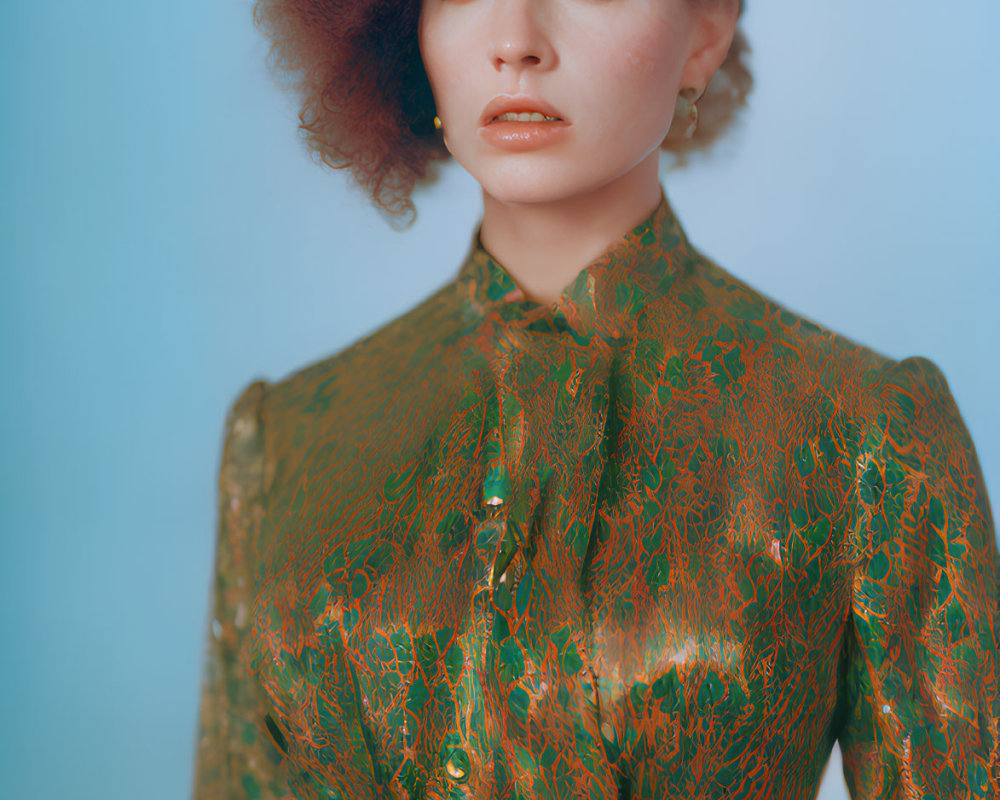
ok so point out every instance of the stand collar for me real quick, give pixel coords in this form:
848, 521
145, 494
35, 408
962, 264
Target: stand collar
603, 297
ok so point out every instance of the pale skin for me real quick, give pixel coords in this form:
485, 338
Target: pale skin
613, 69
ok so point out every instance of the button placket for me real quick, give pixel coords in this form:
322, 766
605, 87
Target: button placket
497, 484
503, 455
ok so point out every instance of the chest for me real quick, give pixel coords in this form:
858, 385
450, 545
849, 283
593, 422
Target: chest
654, 607
674, 623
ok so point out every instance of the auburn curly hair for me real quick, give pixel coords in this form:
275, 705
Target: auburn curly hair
366, 103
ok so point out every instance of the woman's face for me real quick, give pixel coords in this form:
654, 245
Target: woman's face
610, 69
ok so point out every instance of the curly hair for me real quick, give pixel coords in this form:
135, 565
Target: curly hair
366, 103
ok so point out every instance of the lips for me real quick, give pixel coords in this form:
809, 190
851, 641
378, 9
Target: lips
501, 104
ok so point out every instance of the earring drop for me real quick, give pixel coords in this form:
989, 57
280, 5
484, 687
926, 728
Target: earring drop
687, 95
437, 122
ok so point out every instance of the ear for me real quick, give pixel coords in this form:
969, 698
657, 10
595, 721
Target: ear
713, 27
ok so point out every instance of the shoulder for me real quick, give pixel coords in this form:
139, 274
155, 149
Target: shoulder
763, 323
895, 422
916, 449
376, 360
242, 433
785, 362
774, 359
913, 422
348, 408
920, 491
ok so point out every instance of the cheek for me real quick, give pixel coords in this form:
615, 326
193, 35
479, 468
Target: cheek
429, 34
443, 57
645, 56
649, 63
635, 72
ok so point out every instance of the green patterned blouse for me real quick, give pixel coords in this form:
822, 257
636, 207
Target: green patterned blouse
663, 538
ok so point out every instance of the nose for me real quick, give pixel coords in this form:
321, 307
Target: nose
519, 34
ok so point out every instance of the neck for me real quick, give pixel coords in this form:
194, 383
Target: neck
544, 246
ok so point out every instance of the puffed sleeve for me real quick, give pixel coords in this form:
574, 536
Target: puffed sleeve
920, 695
235, 755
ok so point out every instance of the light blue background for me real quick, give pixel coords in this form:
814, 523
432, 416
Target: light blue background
165, 239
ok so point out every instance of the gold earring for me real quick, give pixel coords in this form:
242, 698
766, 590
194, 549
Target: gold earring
437, 122
691, 96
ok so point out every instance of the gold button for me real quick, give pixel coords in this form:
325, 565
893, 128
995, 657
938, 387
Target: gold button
458, 765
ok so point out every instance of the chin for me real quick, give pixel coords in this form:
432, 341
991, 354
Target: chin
513, 195
538, 186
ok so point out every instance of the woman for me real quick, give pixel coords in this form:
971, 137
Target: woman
595, 519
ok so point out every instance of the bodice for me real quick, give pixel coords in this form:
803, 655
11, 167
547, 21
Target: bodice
662, 539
